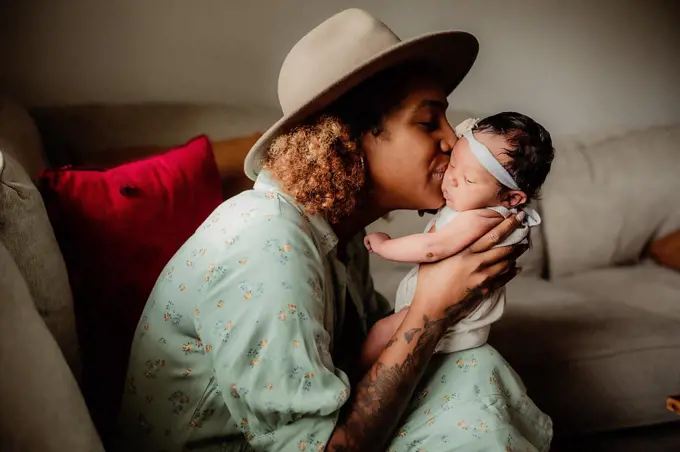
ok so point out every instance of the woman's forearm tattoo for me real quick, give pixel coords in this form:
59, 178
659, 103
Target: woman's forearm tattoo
410, 333
382, 395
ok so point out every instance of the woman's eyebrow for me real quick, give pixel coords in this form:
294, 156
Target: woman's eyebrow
432, 103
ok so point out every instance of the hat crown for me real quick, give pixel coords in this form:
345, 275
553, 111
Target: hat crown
328, 53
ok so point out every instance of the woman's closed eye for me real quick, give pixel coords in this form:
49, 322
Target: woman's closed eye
430, 125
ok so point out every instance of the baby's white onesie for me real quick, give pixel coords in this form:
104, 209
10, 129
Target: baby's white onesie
473, 330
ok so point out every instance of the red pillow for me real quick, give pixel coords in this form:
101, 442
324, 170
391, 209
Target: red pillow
117, 229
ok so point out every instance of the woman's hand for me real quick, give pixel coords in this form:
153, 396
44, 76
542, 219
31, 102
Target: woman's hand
453, 286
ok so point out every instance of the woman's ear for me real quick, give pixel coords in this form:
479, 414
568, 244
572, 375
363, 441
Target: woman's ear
514, 198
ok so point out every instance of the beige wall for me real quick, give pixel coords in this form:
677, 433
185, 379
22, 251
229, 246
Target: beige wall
576, 65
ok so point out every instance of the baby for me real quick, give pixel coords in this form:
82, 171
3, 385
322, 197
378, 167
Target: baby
497, 166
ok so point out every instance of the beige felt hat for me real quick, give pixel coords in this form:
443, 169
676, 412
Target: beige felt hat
345, 50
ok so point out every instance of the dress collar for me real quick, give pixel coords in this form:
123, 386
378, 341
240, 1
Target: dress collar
323, 232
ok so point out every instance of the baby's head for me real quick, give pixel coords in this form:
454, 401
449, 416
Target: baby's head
523, 148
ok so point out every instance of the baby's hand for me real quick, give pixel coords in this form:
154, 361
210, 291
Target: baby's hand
373, 241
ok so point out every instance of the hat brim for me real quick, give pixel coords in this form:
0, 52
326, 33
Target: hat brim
452, 53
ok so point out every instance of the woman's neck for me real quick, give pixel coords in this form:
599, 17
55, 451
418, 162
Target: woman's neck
351, 225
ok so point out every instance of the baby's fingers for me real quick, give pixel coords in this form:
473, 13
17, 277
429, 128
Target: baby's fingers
367, 244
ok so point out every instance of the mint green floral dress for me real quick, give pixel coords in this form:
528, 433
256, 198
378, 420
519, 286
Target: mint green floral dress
245, 339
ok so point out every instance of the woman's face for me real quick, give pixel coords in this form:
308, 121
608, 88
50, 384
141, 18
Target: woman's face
407, 161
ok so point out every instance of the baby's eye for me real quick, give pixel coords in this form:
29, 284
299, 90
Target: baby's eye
468, 181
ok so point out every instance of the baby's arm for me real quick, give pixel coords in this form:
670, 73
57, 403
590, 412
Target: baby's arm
430, 247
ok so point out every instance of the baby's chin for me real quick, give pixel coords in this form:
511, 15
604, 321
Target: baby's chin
448, 200
450, 204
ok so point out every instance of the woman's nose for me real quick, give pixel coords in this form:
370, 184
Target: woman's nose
448, 140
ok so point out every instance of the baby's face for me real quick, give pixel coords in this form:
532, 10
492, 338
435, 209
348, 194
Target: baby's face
467, 184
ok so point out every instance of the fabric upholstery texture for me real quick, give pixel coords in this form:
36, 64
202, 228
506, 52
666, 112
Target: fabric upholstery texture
76, 134
591, 363
648, 287
26, 232
20, 137
611, 199
41, 409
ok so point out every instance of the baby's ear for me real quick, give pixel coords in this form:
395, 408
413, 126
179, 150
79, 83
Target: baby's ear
515, 198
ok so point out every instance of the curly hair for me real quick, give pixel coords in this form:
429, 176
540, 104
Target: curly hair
320, 166
321, 163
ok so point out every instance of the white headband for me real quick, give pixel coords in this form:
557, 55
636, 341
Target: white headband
484, 155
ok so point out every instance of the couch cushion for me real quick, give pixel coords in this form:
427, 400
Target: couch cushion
41, 408
20, 137
26, 232
590, 363
118, 229
604, 203
648, 287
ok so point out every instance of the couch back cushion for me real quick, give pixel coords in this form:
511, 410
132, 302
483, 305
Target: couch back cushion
603, 203
41, 408
26, 232
20, 138
93, 133
25, 229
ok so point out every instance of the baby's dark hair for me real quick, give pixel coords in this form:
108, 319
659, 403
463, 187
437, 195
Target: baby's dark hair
531, 149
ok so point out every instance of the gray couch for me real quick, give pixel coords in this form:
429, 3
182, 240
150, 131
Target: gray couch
597, 342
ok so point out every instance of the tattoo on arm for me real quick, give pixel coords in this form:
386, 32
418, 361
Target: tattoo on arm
410, 333
383, 393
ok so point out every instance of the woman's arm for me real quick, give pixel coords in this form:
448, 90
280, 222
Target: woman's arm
445, 292
434, 246
382, 395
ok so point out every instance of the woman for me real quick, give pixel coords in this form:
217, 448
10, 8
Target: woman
264, 333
